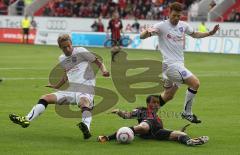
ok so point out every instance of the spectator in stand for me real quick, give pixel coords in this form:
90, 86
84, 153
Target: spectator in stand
33, 23
237, 17
98, 26
20, 7
94, 26
212, 4
136, 26
3, 8
128, 9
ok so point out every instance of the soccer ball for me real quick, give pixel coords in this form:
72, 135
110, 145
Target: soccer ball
125, 135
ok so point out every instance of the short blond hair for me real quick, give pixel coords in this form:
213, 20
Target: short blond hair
62, 38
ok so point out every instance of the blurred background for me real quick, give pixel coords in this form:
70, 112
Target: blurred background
87, 21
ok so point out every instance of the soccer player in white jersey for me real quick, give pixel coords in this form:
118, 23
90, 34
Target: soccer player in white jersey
170, 34
76, 64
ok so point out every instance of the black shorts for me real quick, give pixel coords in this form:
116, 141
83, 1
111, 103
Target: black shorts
156, 131
25, 30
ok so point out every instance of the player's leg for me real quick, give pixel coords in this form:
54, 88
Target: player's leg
116, 47
142, 128
86, 105
179, 74
23, 34
170, 88
114, 51
38, 109
27, 34
185, 139
193, 85
168, 94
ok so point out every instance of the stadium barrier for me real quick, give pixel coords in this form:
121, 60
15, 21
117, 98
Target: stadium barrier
14, 35
226, 40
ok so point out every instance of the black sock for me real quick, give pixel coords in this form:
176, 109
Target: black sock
132, 128
43, 102
112, 137
183, 139
162, 102
192, 91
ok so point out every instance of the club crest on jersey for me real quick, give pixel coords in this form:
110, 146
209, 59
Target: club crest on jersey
184, 73
181, 29
74, 59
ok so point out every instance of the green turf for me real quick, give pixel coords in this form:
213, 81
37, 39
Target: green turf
217, 104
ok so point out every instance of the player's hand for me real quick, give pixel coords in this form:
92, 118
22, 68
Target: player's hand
115, 111
105, 73
215, 29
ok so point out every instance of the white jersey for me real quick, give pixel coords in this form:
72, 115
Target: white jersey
171, 40
78, 66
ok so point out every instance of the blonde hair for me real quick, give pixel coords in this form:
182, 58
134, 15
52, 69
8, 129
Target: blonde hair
62, 38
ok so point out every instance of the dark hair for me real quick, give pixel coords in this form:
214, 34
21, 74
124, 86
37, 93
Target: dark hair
176, 6
148, 99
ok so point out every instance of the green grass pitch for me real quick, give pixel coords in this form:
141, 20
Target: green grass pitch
25, 70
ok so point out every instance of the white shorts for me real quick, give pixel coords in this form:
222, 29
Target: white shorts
67, 97
174, 73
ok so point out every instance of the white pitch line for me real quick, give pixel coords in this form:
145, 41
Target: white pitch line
199, 75
18, 68
24, 78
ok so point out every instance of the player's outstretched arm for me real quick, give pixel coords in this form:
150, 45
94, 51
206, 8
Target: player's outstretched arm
205, 34
60, 83
147, 32
123, 114
102, 68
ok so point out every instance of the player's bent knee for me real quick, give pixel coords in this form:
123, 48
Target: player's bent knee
144, 126
50, 98
197, 84
84, 102
176, 134
168, 96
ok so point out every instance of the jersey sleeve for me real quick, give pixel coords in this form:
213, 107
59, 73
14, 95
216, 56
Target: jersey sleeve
61, 61
189, 29
109, 24
158, 28
121, 26
86, 55
135, 113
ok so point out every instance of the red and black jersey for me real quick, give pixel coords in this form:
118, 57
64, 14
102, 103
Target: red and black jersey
115, 25
147, 114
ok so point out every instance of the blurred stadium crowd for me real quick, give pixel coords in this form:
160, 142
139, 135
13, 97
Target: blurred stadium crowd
128, 9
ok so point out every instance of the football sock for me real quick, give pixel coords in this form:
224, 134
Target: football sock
87, 118
162, 102
112, 137
190, 94
37, 110
183, 139
132, 128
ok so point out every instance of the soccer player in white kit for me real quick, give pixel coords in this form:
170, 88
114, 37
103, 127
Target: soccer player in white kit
170, 34
78, 73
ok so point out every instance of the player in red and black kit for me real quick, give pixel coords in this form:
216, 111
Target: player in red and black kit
115, 25
150, 126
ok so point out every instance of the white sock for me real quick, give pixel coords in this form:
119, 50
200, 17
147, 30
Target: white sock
35, 112
87, 118
190, 94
